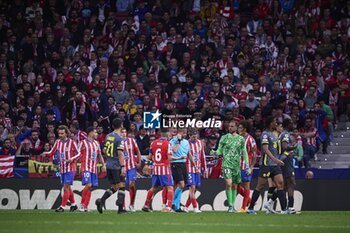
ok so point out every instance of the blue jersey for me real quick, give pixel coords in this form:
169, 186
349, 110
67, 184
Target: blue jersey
184, 149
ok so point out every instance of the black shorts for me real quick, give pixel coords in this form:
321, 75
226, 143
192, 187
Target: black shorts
287, 171
179, 172
275, 170
114, 177
264, 171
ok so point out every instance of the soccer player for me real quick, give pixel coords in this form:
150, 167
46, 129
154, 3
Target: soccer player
67, 154
232, 147
115, 164
181, 149
286, 155
195, 163
161, 155
244, 187
270, 166
78, 135
130, 148
90, 150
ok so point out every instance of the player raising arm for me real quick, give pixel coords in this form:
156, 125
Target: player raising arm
114, 149
90, 150
67, 153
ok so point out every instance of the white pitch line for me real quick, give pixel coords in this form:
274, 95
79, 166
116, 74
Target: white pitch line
187, 224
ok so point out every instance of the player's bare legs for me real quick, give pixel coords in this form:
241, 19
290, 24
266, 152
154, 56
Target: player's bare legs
278, 180
262, 182
85, 198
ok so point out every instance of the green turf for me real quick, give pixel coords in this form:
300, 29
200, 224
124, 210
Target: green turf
49, 221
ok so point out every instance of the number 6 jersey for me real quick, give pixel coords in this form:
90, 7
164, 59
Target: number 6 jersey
160, 150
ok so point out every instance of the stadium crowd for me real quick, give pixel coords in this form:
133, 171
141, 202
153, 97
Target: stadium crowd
82, 63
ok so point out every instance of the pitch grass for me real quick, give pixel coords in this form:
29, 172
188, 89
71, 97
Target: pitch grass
17, 221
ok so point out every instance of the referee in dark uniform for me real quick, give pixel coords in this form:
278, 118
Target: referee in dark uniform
181, 149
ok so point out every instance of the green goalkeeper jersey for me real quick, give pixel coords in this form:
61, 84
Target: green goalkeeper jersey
232, 147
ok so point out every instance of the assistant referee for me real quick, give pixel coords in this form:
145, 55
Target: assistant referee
181, 149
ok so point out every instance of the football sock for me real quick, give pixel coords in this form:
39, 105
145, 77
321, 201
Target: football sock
87, 199
132, 192
164, 195
71, 197
241, 190
245, 198
177, 198
282, 198
270, 192
121, 196
194, 203
255, 197
83, 194
234, 195
107, 194
65, 198
274, 196
188, 202
229, 197
149, 198
170, 196
290, 201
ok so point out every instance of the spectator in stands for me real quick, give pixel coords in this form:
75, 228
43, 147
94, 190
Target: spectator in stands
7, 148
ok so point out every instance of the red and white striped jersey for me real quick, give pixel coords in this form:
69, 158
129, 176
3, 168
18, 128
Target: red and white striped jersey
6, 166
129, 153
250, 145
197, 151
65, 150
160, 149
89, 151
80, 136
310, 140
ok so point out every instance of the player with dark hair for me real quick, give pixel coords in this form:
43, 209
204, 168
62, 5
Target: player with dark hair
90, 150
270, 166
130, 149
232, 147
195, 164
244, 187
161, 155
115, 164
67, 153
77, 134
286, 155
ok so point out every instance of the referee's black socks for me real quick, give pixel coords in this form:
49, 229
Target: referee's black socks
290, 201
